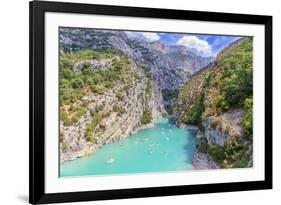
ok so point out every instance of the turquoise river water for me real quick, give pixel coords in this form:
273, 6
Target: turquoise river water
164, 147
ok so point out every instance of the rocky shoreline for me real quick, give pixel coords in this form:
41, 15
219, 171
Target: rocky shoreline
217, 136
201, 160
187, 127
91, 149
142, 127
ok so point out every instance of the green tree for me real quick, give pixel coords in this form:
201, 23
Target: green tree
77, 83
221, 103
237, 81
247, 121
146, 117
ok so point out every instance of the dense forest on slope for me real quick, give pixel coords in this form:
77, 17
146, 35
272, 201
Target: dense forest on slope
219, 99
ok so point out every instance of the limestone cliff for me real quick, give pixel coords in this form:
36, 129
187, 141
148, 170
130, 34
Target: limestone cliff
122, 100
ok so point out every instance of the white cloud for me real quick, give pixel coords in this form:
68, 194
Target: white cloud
151, 36
194, 43
133, 35
144, 36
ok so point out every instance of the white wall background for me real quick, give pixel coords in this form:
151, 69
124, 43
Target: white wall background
14, 100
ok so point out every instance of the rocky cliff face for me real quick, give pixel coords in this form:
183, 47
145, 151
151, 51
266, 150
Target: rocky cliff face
110, 112
209, 100
218, 131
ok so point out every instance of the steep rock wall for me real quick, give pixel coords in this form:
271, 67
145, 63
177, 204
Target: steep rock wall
120, 115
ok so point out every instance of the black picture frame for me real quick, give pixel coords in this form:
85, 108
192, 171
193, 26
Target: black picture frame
37, 9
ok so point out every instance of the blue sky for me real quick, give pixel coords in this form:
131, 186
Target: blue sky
203, 45
215, 42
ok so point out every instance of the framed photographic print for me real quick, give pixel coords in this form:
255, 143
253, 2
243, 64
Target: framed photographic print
140, 102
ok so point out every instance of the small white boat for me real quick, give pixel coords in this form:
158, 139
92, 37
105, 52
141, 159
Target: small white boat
145, 139
166, 152
110, 160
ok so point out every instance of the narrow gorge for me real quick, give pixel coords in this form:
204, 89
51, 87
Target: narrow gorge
118, 91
